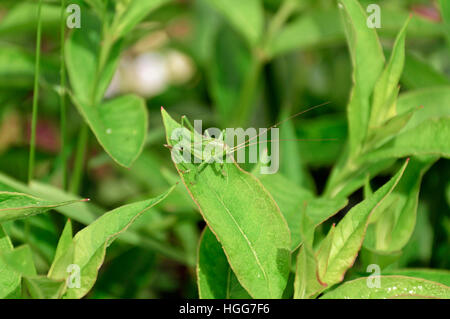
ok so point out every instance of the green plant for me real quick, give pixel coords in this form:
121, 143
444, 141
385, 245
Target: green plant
283, 235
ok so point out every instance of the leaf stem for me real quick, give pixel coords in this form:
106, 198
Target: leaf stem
35, 96
63, 114
77, 174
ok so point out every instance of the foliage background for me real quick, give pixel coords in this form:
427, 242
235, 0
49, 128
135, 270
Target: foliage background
189, 58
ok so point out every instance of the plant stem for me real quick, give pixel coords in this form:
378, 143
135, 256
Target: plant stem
83, 137
247, 93
63, 96
259, 59
35, 96
77, 174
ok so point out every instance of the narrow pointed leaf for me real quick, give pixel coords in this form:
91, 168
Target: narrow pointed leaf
390, 287
339, 249
385, 91
17, 205
395, 218
429, 138
368, 62
9, 279
120, 126
215, 278
57, 269
89, 244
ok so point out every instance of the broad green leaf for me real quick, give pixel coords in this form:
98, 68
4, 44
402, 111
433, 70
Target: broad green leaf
294, 200
9, 279
120, 126
215, 278
246, 16
291, 200
132, 12
17, 205
306, 284
386, 89
40, 287
428, 103
395, 218
83, 62
391, 287
437, 275
245, 219
317, 27
428, 138
20, 260
346, 240
57, 269
89, 244
368, 62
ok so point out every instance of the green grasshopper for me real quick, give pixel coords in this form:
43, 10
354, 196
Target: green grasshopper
206, 149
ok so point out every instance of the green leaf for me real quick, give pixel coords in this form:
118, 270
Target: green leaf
291, 200
86, 213
58, 268
20, 260
215, 278
133, 13
246, 16
386, 89
89, 244
391, 287
40, 287
428, 138
17, 205
245, 219
120, 126
368, 62
80, 211
89, 79
317, 27
395, 218
9, 279
431, 102
306, 283
339, 249
437, 275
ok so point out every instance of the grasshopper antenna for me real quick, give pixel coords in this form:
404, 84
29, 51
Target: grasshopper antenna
240, 146
283, 121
